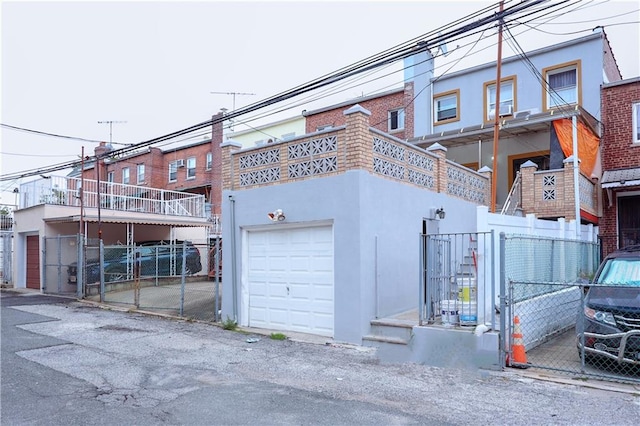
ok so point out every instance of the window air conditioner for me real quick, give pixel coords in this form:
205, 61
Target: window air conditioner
180, 163
504, 110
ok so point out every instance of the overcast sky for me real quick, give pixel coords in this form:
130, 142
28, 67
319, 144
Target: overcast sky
153, 65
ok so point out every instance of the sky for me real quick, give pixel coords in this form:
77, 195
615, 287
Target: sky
150, 67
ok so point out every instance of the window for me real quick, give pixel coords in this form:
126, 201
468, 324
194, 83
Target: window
125, 175
446, 106
563, 85
173, 171
209, 160
191, 168
636, 123
110, 177
396, 119
507, 98
140, 173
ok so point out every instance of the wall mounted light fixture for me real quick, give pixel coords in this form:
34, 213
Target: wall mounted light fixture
276, 215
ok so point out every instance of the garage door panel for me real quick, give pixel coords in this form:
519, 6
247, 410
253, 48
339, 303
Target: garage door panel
291, 270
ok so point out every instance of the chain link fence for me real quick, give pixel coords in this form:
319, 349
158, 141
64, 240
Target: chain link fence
159, 276
59, 254
556, 320
6, 256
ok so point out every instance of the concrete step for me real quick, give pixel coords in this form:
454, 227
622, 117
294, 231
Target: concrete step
393, 328
370, 338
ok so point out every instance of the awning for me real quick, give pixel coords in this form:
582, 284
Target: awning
621, 178
151, 220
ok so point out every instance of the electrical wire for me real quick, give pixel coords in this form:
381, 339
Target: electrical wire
384, 58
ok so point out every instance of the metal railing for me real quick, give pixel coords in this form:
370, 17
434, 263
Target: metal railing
457, 280
67, 191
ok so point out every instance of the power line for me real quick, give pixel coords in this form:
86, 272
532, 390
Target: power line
389, 56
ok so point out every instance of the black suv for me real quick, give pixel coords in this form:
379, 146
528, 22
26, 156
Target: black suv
159, 258
609, 323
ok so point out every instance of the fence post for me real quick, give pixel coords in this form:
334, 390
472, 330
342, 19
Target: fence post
43, 265
216, 265
493, 280
581, 327
59, 262
421, 280
80, 268
183, 276
503, 304
101, 254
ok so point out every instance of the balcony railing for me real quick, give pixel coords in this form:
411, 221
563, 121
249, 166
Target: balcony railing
66, 191
550, 193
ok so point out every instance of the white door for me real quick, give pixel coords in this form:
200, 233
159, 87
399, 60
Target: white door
290, 279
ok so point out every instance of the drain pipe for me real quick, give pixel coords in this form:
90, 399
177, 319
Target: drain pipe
232, 223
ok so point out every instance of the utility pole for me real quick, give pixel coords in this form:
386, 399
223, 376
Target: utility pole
496, 122
234, 102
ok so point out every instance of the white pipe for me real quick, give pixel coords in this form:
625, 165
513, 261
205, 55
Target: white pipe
576, 173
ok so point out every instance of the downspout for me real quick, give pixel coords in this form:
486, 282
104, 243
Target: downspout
576, 173
232, 225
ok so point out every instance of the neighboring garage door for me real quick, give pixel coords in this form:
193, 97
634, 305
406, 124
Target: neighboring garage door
290, 279
33, 262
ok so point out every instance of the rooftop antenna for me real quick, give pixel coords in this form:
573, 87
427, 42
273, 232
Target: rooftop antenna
234, 102
110, 123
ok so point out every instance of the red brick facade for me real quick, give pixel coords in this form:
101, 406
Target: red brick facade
618, 150
156, 168
378, 106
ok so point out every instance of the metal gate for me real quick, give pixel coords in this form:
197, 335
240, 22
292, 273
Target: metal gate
6, 256
457, 279
547, 324
58, 254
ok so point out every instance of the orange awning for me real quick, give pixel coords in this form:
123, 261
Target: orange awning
588, 143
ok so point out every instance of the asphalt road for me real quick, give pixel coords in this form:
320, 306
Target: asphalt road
65, 362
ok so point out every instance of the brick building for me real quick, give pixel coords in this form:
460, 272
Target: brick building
193, 168
620, 222
391, 112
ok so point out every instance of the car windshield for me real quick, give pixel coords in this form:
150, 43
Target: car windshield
621, 271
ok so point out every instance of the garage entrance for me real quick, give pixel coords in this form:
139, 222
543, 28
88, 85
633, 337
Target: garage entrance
290, 279
33, 262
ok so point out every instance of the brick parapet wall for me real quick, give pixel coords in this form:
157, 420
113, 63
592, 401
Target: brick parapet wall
357, 146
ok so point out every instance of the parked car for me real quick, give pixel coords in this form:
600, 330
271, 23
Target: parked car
153, 258
608, 325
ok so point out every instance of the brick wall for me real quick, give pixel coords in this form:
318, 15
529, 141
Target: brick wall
618, 150
379, 108
157, 167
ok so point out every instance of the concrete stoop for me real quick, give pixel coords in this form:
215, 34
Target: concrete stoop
391, 338
398, 341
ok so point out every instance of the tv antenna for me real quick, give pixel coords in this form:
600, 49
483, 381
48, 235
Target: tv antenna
234, 96
224, 110
110, 123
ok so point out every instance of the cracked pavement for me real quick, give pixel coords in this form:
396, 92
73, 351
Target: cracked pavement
79, 364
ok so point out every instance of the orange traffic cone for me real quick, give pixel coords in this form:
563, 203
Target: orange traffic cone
517, 348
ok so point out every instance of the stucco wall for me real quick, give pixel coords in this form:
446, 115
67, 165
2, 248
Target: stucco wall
376, 225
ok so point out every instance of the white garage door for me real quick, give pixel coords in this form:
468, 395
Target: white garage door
290, 279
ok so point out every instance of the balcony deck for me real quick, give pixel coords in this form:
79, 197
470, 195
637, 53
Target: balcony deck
68, 191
